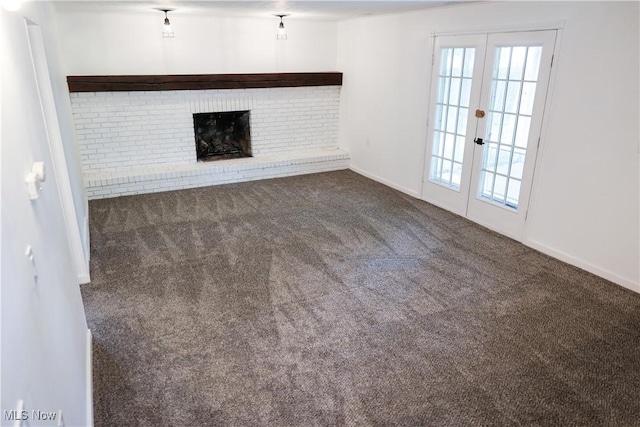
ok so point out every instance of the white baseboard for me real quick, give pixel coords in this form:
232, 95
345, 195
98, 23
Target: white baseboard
598, 271
86, 236
89, 385
84, 274
569, 259
81, 253
444, 206
385, 182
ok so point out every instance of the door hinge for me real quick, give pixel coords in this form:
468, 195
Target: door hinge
538, 147
433, 60
552, 56
427, 122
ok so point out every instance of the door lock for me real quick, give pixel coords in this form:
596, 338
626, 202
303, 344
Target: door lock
479, 114
479, 141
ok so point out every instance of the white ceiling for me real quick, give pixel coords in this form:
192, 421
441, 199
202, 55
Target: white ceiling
307, 9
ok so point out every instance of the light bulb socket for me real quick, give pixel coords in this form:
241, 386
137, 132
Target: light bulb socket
167, 32
282, 32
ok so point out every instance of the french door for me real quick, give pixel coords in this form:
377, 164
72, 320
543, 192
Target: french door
488, 96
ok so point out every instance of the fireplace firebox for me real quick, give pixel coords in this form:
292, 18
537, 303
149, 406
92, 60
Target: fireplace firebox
223, 135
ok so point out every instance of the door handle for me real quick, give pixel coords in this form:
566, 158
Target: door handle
479, 141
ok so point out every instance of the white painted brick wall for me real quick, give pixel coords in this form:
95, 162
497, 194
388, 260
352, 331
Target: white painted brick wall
141, 142
212, 173
130, 130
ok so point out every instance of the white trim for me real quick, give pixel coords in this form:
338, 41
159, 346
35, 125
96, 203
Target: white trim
54, 136
556, 25
443, 206
89, 374
544, 136
569, 259
428, 125
85, 275
359, 171
83, 279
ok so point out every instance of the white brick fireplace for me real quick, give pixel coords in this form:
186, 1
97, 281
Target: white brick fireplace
143, 141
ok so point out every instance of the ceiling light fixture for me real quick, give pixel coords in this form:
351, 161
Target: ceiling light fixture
167, 32
282, 33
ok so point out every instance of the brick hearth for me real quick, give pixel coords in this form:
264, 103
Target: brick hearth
143, 142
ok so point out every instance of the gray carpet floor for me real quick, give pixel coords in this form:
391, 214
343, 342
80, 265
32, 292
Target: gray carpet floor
330, 299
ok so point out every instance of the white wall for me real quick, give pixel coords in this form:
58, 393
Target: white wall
108, 43
67, 132
126, 136
44, 332
585, 207
120, 131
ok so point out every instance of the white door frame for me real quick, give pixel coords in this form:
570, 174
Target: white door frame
454, 200
544, 130
50, 116
505, 220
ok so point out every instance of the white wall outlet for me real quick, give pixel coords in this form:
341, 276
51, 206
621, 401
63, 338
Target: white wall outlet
31, 261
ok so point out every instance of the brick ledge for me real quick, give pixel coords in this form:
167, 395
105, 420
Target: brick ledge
174, 177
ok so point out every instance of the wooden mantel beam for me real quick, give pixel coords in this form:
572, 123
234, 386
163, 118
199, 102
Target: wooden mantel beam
200, 81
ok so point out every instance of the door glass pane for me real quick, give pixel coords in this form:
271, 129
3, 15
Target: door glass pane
513, 193
522, 134
500, 188
513, 96
463, 114
486, 183
491, 155
518, 55
502, 62
456, 175
437, 142
497, 96
533, 63
448, 146
451, 119
459, 151
443, 92
465, 92
445, 62
435, 164
508, 126
514, 80
456, 68
454, 92
517, 164
449, 135
528, 93
469, 55
494, 125
504, 160
446, 169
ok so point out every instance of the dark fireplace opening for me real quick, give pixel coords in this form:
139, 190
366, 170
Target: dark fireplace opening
221, 136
